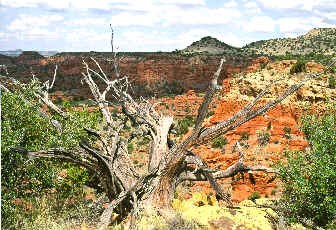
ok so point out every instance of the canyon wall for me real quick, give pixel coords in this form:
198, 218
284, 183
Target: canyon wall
152, 74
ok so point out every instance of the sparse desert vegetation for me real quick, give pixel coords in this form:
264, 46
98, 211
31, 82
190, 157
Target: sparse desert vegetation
235, 157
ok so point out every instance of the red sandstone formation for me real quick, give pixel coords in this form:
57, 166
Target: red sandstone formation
150, 73
193, 73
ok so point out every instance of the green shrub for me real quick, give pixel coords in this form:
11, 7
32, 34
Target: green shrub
184, 124
130, 148
254, 196
219, 142
298, 67
144, 141
287, 131
210, 113
26, 179
269, 125
244, 136
263, 65
264, 138
332, 82
309, 178
58, 101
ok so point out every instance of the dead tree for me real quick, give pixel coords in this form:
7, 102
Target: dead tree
168, 164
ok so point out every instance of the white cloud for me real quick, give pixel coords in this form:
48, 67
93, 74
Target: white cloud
201, 16
29, 22
183, 2
87, 22
289, 4
173, 15
3, 36
252, 8
131, 19
300, 24
230, 4
96, 4
162, 18
85, 35
60, 4
259, 24
84, 40
27, 27
20, 3
90, 4
308, 5
327, 14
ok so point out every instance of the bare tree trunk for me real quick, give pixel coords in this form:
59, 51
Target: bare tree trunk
159, 143
163, 193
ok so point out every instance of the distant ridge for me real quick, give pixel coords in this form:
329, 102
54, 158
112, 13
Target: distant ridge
210, 45
18, 52
317, 41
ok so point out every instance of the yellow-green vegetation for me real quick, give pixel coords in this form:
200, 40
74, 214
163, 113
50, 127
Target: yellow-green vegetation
209, 45
219, 142
24, 181
311, 175
205, 210
316, 41
298, 67
184, 124
48, 212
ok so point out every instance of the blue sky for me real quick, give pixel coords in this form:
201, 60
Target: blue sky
154, 25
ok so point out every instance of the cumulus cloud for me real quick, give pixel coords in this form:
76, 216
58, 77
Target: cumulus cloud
259, 24
289, 4
135, 19
96, 4
230, 4
202, 16
300, 24
183, 2
158, 24
252, 8
30, 27
173, 15
60, 4
28, 22
2, 35
305, 5
87, 21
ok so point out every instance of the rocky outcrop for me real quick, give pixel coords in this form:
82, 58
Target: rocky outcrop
280, 127
6, 60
